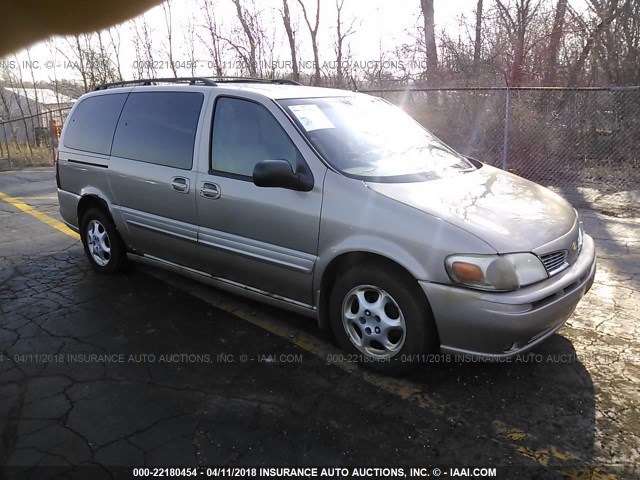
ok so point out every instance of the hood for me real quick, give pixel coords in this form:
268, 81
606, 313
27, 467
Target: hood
508, 212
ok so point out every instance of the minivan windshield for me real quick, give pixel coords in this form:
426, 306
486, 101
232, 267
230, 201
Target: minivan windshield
367, 137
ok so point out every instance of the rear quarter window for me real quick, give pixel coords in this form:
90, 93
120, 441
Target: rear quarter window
159, 127
93, 123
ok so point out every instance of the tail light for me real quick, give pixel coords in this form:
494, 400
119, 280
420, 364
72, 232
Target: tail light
57, 161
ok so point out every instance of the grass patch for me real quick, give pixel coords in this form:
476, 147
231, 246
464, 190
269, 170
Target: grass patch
22, 156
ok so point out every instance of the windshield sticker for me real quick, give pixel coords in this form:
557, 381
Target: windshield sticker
311, 117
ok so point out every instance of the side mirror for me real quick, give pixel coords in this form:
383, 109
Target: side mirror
278, 173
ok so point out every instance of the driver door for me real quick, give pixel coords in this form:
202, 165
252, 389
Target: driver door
261, 237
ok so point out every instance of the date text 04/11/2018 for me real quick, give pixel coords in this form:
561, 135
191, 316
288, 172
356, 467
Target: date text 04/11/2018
307, 472
311, 472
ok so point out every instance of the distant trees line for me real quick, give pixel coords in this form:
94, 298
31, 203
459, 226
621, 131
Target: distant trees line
512, 42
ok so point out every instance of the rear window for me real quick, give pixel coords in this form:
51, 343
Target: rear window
93, 122
159, 127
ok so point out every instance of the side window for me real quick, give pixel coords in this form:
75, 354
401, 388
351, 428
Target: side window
245, 133
93, 122
159, 127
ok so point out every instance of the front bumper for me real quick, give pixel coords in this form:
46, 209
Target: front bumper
501, 325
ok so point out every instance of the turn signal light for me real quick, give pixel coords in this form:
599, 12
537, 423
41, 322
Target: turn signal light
467, 272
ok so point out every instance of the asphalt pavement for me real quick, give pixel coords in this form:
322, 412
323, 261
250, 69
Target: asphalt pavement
147, 368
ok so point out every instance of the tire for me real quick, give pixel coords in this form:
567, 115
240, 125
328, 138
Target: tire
382, 318
102, 243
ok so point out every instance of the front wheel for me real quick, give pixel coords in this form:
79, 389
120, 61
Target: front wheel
382, 317
102, 243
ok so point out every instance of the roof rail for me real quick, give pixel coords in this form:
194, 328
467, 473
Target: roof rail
280, 81
151, 81
207, 81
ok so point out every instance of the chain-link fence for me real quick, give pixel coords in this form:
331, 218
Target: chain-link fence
30, 140
582, 142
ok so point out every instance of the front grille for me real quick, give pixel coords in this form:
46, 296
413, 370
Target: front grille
555, 261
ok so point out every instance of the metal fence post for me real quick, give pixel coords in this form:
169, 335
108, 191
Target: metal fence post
6, 141
505, 138
559, 137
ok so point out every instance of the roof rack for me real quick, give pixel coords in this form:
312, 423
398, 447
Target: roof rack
207, 81
279, 81
151, 81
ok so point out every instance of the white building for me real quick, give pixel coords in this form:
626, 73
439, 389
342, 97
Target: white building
31, 113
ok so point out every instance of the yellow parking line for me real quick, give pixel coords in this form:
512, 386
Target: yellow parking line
39, 197
43, 217
401, 388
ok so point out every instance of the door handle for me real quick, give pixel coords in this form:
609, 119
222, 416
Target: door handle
210, 190
180, 184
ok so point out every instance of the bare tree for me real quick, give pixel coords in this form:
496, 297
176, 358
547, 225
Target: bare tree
291, 37
341, 35
266, 41
105, 69
6, 104
190, 43
168, 23
629, 20
23, 113
431, 50
143, 45
252, 39
89, 57
139, 62
532, 42
313, 33
77, 59
554, 42
607, 13
518, 28
53, 80
114, 39
212, 39
477, 45
250, 58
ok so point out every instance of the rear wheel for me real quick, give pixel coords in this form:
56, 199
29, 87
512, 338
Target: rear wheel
382, 317
102, 243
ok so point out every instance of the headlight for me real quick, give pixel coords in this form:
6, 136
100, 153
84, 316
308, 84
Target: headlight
495, 272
